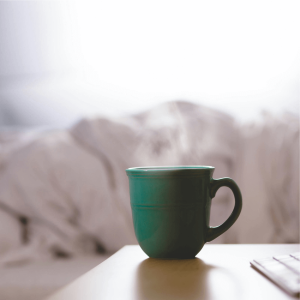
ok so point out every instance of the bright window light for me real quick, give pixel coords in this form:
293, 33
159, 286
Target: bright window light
211, 50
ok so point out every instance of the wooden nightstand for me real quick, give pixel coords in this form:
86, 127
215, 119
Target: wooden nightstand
218, 272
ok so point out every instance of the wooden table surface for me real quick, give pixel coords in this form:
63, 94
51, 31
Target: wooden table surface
218, 272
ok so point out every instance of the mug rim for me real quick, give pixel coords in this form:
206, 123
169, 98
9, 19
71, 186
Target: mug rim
168, 170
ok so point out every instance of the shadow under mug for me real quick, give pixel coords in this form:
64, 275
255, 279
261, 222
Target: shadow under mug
171, 209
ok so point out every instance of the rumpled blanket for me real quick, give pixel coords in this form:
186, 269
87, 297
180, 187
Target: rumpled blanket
65, 192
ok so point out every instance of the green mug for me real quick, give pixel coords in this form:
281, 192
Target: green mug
171, 209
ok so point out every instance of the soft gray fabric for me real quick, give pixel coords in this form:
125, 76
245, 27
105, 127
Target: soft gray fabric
268, 174
71, 186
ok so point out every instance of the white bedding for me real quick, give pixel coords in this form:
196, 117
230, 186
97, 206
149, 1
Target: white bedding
70, 189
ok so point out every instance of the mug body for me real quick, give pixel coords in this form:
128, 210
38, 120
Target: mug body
170, 209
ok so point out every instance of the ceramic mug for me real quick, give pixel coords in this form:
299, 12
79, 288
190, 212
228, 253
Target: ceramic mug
171, 209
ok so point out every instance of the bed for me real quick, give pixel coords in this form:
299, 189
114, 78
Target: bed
64, 192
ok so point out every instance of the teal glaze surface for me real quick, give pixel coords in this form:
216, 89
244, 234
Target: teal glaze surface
171, 209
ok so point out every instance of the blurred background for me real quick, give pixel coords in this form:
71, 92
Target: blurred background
200, 82
61, 60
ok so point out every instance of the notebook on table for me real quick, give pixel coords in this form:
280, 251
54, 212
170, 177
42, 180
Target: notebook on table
283, 270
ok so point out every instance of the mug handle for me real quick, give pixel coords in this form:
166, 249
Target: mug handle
215, 184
